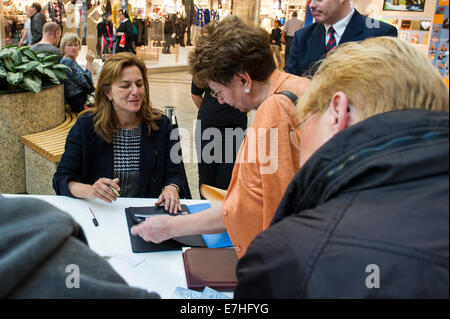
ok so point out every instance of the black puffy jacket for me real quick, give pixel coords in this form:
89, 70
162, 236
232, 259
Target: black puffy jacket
40, 248
366, 217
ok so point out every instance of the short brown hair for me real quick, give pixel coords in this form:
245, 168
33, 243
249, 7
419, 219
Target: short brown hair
378, 75
228, 47
36, 6
50, 27
104, 117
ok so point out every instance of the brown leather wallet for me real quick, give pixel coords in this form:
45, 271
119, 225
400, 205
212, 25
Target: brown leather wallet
211, 267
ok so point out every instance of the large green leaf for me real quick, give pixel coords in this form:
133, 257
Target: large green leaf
2, 72
23, 48
29, 66
48, 63
9, 65
52, 57
60, 74
5, 53
41, 55
53, 78
14, 78
32, 83
61, 67
16, 57
40, 68
36, 77
30, 54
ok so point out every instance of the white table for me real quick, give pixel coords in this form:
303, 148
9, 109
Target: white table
160, 272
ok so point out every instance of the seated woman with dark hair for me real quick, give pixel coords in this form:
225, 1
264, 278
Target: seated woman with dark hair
79, 83
122, 145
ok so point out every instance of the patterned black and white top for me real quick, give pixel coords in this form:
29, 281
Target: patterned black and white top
127, 151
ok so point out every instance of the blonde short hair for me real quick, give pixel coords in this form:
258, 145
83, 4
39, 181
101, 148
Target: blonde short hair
378, 75
69, 37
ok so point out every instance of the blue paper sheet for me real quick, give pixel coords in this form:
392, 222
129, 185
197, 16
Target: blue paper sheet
212, 240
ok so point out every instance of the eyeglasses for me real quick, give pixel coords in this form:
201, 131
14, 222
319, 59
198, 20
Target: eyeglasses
214, 94
294, 135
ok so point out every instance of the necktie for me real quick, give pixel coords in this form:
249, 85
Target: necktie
331, 44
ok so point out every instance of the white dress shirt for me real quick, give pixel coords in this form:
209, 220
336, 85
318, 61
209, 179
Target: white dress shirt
339, 27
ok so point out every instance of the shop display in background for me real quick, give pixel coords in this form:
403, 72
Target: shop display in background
13, 22
439, 45
145, 15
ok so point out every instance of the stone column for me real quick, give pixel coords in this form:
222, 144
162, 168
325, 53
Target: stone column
247, 10
22, 114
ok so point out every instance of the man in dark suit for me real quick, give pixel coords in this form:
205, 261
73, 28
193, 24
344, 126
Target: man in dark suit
336, 22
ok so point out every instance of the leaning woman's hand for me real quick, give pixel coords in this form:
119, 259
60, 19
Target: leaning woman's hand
169, 196
102, 189
155, 229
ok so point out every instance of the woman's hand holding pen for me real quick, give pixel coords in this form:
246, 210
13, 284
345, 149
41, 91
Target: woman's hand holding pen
106, 189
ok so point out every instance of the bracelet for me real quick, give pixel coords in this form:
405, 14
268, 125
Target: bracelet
174, 185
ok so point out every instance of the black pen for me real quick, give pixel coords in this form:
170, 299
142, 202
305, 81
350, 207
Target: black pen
94, 220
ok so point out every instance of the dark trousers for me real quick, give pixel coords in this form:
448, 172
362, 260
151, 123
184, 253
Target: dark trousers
288, 48
216, 173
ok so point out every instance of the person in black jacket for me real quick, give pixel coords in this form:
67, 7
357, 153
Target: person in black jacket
169, 30
37, 22
123, 145
367, 215
125, 28
215, 119
34, 257
338, 18
180, 30
104, 36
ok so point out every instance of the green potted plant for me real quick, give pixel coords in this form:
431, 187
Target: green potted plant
23, 70
31, 101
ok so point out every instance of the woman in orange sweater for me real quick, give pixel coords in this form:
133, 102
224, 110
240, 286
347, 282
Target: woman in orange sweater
235, 60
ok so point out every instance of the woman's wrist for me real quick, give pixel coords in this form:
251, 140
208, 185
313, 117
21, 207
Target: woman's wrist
174, 186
